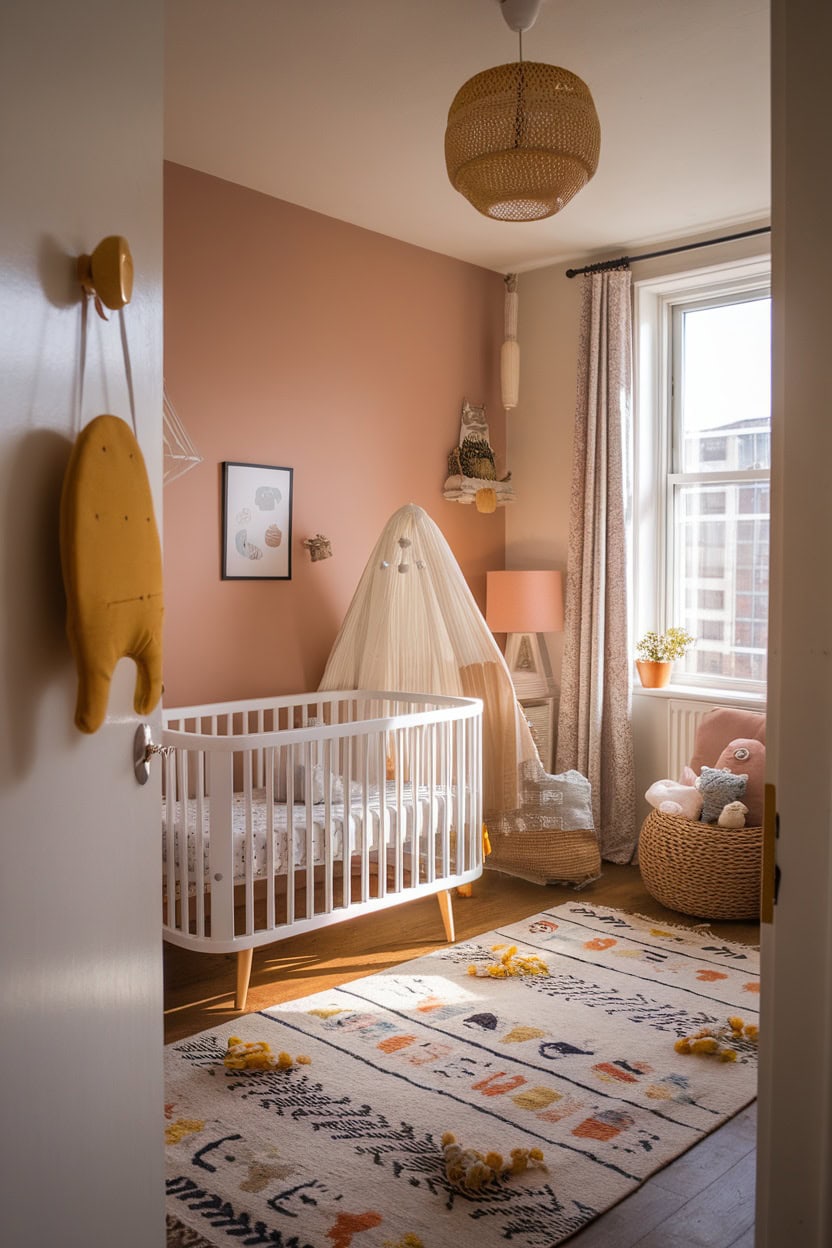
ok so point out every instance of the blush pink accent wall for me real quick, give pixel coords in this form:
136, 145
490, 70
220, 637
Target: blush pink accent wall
294, 339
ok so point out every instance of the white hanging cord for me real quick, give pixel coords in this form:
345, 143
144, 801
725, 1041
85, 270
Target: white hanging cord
82, 367
128, 370
82, 364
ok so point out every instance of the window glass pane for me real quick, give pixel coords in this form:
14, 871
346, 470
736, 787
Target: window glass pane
753, 498
726, 387
721, 578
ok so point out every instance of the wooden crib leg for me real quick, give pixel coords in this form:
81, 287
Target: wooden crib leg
447, 911
244, 958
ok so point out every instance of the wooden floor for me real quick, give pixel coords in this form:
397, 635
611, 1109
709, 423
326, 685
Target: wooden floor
704, 1199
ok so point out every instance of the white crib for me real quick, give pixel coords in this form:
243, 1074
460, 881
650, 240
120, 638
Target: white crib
283, 815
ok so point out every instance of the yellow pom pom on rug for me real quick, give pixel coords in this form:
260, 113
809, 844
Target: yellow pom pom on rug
510, 964
470, 1169
257, 1055
716, 1041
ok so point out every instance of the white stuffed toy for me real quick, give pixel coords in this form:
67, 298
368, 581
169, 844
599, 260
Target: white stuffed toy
675, 798
733, 815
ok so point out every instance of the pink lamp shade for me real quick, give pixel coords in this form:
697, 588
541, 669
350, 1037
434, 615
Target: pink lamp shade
524, 602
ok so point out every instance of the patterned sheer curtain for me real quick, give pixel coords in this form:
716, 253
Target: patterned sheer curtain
594, 720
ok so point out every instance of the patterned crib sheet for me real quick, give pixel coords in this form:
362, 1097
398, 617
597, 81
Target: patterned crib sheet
382, 819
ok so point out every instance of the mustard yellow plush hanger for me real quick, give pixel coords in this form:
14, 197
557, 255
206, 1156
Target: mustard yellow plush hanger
111, 556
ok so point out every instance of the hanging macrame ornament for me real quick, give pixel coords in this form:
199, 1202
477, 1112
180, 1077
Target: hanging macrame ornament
180, 454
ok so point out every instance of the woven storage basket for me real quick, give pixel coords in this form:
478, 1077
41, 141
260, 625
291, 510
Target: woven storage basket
553, 857
701, 869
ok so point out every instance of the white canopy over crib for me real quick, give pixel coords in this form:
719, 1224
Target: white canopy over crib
413, 624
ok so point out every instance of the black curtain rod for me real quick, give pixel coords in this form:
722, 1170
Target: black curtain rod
624, 261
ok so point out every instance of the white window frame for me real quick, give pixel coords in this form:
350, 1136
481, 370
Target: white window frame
655, 427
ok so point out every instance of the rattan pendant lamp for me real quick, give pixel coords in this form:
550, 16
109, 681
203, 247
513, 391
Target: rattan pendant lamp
523, 138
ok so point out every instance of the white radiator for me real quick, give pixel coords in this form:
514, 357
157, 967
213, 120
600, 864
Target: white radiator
683, 718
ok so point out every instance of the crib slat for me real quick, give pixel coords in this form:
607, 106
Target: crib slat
221, 848
170, 842
346, 826
248, 762
288, 758
416, 806
398, 753
431, 777
476, 789
446, 789
365, 823
268, 762
382, 815
199, 840
259, 778
310, 828
329, 829
179, 759
462, 819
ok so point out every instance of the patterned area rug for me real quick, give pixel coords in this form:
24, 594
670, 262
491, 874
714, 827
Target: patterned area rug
575, 1066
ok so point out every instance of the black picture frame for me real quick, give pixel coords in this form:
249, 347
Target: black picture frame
256, 522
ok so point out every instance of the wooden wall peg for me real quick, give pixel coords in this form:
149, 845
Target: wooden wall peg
107, 274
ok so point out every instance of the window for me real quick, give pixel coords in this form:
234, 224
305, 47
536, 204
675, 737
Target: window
704, 441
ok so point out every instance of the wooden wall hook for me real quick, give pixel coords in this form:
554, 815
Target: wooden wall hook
107, 274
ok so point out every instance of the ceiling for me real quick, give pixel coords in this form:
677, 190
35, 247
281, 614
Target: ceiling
340, 106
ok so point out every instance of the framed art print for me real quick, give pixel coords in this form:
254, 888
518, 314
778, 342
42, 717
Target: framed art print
256, 522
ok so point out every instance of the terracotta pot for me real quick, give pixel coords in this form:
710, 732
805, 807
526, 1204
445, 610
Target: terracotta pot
654, 675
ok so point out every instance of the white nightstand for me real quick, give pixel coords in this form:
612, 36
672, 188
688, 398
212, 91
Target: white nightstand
540, 713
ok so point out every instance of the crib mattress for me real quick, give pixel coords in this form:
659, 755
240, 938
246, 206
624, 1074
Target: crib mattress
380, 832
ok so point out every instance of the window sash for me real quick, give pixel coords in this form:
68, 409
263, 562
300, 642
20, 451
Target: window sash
736, 615
732, 476
740, 280
676, 363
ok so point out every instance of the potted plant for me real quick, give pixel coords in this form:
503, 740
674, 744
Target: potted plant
656, 652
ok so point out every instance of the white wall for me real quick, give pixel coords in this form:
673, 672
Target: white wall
80, 969
539, 430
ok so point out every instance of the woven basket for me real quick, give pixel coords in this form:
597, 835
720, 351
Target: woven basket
553, 857
701, 869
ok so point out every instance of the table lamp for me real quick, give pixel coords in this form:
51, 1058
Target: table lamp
523, 605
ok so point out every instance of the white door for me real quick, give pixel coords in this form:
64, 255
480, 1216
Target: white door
794, 1201
80, 952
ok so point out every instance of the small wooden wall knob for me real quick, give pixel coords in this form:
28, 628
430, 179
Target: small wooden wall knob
108, 272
